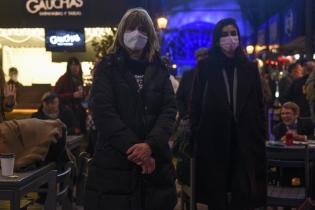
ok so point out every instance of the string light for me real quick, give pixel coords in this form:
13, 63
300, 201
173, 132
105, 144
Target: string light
20, 35
22, 32
92, 33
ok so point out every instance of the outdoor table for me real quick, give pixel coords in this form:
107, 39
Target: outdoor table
285, 151
295, 145
14, 188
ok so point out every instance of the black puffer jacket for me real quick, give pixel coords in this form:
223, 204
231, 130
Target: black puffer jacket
125, 116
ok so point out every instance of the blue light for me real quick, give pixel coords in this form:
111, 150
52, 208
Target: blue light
190, 28
182, 43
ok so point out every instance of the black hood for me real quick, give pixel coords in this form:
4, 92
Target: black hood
217, 32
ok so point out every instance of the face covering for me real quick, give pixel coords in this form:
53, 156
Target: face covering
134, 40
14, 78
229, 43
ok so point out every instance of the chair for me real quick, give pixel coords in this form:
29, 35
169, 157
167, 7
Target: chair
189, 191
288, 157
64, 184
84, 162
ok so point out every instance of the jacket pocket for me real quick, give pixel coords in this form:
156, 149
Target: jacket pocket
158, 198
111, 181
91, 200
115, 202
163, 175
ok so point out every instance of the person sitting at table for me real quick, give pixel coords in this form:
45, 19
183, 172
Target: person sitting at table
52, 109
301, 128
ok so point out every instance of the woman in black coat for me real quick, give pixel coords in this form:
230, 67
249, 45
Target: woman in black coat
134, 109
228, 126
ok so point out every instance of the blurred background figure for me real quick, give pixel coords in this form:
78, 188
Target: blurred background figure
89, 123
310, 87
183, 97
185, 85
69, 88
7, 96
295, 71
166, 60
52, 109
13, 77
296, 92
13, 80
265, 86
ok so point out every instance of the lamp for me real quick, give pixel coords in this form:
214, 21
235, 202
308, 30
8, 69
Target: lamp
250, 49
162, 23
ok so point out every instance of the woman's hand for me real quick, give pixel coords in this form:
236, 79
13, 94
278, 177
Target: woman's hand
148, 166
9, 91
139, 153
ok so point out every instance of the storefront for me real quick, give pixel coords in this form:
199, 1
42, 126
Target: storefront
38, 36
286, 30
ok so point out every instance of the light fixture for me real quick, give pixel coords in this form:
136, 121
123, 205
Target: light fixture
314, 56
250, 49
260, 63
260, 48
174, 66
296, 56
162, 23
39, 32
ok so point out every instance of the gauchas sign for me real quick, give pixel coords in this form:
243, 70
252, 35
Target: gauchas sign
55, 7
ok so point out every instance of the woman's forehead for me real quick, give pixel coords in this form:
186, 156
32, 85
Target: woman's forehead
229, 28
136, 21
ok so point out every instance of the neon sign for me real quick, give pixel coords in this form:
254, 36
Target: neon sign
65, 40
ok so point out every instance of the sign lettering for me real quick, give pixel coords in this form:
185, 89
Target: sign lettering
66, 40
55, 7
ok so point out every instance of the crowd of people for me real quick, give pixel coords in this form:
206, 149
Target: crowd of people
218, 112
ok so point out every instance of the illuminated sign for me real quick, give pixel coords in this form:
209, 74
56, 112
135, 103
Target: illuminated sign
65, 40
55, 7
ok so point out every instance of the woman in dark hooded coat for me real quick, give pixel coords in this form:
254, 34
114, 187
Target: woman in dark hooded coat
228, 125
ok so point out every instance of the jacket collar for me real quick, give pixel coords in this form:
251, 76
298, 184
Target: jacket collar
150, 71
243, 84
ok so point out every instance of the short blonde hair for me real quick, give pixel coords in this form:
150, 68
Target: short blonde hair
293, 106
131, 19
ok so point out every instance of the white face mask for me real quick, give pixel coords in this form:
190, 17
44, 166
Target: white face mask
134, 40
229, 43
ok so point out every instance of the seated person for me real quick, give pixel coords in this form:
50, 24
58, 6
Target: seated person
52, 109
302, 129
